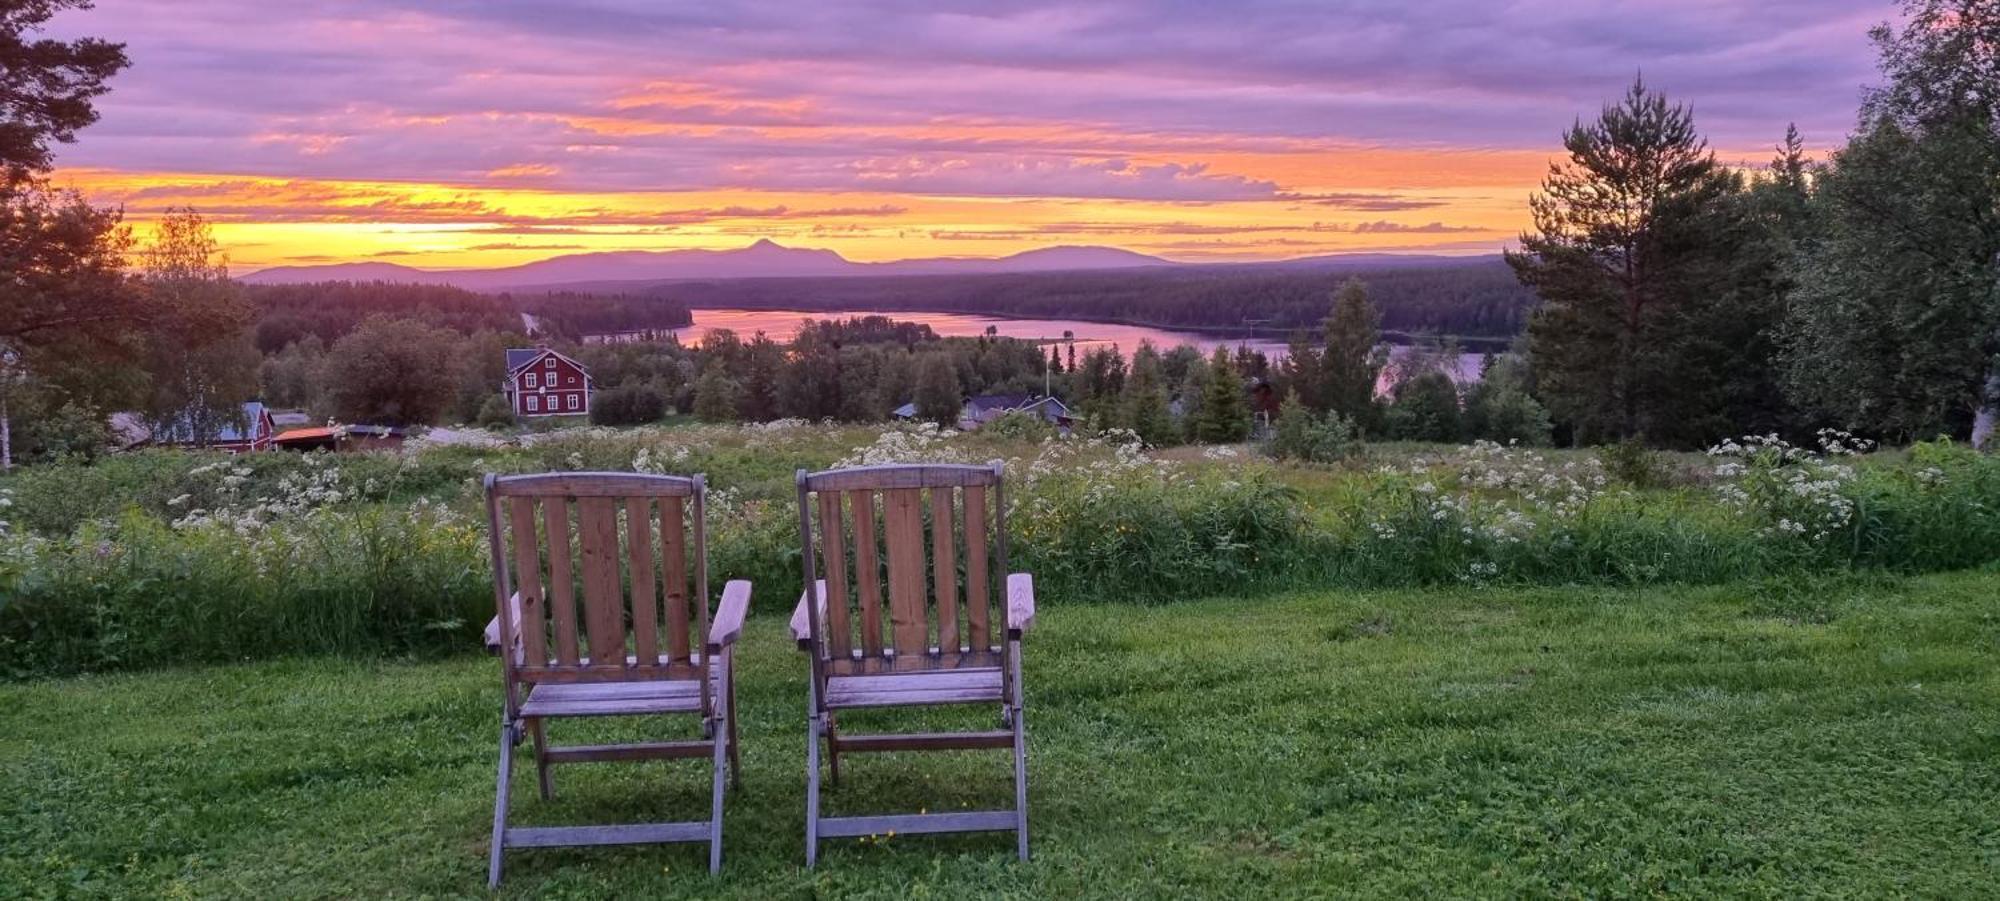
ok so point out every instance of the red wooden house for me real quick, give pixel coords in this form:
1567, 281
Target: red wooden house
542, 382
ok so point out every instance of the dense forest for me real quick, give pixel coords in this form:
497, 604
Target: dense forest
330, 310
1477, 299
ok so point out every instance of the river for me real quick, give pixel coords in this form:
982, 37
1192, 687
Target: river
781, 325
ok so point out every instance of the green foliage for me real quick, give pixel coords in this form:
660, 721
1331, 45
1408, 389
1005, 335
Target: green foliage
347, 552
1146, 410
1501, 407
715, 394
1301, 434
1352, 362
939, 398
1625, 242
1631, 463
392, 371
50, 87
632, 403
1424, 408
495, 413
1893, 320
1224, 417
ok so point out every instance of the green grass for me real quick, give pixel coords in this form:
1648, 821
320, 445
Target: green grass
1826, 738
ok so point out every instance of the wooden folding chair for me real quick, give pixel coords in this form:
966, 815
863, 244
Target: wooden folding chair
631, 559
934, 653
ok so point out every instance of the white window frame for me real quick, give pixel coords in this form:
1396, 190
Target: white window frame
575, 402
534, 404
549, 363
531, 380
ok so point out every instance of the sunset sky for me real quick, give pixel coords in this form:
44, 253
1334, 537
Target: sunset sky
463, 133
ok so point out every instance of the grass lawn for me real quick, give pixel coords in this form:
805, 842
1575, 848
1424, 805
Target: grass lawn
1838, 738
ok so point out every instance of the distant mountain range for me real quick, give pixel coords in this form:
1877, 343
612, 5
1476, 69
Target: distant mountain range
765, 259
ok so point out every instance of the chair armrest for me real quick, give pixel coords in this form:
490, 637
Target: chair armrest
492, 634
729, 615
1020, 602
801, 624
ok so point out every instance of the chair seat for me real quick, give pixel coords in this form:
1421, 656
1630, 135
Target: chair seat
613, 698
952, 686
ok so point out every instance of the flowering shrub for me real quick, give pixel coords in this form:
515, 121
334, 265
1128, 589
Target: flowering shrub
156, 558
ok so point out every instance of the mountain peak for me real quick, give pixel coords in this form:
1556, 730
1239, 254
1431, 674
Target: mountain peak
763, 258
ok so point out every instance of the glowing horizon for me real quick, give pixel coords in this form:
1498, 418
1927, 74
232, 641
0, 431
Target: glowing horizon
450, 136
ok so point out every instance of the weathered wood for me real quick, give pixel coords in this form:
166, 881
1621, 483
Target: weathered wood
867, 571
593, 484
534, 621
610, 681
729, 614
917, 823
903, 689
630, 670
935, 659
1020, 602
930, 475
944, 567
801, 625
603, 590
614, 698
978, 581
903, 525
562, 581
639, 563
926, 741
674, 576
833, 550
636, 834
661, 750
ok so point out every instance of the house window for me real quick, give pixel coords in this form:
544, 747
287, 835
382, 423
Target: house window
549, 363
573, 401
531, 380
534, 403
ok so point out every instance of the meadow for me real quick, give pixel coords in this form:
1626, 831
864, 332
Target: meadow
163, 558
1428, 669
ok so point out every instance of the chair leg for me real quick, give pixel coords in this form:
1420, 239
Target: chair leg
542, 777
1021, 783
500, 805
833, 748
812, 793
735, 749
715, 809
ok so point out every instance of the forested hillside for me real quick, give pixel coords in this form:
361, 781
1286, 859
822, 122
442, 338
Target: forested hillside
1475, 299
329, 310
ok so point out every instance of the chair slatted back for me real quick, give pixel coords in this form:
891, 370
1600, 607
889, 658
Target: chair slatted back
912, 542
595, 559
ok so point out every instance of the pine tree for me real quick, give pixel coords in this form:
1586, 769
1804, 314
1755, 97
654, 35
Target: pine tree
1352, 363
1145, 401
1225, 413
1622, 229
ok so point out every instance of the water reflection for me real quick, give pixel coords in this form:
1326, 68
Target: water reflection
782, 325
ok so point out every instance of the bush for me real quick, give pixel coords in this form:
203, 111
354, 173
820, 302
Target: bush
1312, 437
1424, 407
633, 403
1630, 461
495, 413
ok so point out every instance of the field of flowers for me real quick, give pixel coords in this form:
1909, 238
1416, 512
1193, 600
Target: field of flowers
165, 557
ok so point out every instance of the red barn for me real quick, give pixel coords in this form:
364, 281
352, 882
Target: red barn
541, 382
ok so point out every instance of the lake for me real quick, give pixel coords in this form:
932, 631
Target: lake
781, 325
